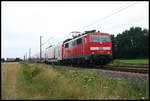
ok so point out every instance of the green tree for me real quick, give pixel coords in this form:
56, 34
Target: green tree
131, 43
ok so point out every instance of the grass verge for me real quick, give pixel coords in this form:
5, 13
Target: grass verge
41, 81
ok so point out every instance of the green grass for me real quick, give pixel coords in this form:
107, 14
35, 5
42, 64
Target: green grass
136, 61
59, 83
130, 62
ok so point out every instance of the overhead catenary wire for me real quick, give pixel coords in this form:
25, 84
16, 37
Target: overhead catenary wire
47, 40
116, 26
115, 11
111, 14
127, 5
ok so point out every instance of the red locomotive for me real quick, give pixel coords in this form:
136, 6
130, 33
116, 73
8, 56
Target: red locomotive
89, 48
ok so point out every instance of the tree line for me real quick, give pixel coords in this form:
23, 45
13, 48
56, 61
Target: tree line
132, 43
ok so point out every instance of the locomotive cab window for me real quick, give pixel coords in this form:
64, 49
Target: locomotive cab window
99, 38
66, 45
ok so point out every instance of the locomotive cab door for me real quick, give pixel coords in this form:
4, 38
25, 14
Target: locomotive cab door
84, 45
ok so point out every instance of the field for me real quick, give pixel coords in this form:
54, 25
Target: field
130, 62
40, 81
136, 61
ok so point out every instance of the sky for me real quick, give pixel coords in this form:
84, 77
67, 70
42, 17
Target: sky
23, 22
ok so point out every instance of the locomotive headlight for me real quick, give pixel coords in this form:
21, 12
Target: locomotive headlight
93, 52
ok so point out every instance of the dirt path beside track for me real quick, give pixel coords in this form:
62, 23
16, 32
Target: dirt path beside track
9, 80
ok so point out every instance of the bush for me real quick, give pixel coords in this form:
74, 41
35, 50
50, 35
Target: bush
29, 71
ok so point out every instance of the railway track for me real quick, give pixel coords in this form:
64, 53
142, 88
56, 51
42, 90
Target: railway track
140, 70
127, 69
128, 73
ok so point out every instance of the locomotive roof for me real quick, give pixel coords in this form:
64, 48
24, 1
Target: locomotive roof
84, 34
67, 40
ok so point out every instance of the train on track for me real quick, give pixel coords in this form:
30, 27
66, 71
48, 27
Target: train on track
90, 47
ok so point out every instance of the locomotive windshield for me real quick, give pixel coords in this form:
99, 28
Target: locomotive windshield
99, 38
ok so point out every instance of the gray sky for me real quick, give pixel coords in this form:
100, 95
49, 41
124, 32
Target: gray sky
23, 22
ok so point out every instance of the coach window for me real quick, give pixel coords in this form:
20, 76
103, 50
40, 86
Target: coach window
59, 52
79, 41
